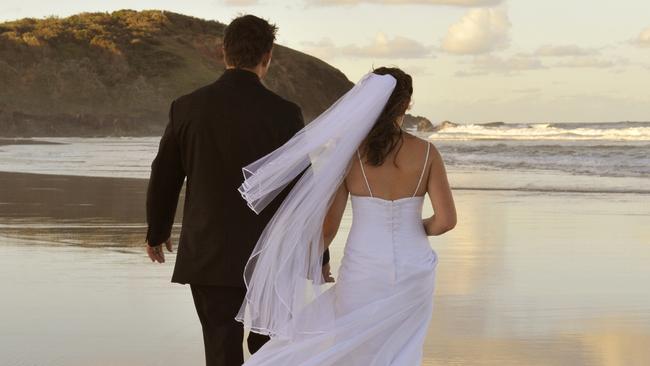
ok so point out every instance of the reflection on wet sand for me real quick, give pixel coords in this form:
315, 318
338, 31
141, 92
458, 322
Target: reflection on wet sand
524, 279
529, 280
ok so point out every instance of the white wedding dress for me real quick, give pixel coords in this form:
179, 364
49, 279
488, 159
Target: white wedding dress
383, 296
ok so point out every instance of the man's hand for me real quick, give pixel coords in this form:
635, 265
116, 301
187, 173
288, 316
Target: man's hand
156, 254
327, 273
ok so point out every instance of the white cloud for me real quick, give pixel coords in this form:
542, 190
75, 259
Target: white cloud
527, 91
323, 49
240, 2
513, 63
381, 47
565, 50
466, 74
644, 38
468, 3
479, 31
490, 64
416, 69
586, 62
487, 64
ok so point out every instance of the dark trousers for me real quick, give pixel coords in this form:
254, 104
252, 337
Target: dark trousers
222, 335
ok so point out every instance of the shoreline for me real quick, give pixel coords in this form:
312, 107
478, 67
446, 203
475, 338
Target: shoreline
113, 180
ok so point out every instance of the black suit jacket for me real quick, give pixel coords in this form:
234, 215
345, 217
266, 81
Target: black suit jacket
212, 133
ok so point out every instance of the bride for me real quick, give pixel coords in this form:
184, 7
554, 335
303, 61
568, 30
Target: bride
378, 311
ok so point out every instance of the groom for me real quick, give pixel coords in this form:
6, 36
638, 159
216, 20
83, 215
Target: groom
212, 133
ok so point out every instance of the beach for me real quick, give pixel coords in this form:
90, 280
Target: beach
545, 267
525, 278
537, 109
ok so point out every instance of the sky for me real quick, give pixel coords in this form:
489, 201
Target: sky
472, 61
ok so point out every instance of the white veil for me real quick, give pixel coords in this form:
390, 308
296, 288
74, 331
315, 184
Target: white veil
288, 254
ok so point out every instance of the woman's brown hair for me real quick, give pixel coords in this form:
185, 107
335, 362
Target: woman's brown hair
386, 134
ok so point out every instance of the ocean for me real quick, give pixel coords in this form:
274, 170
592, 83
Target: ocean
590, 149
569, 157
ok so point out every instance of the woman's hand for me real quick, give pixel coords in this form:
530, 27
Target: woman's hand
327, 273
434, 226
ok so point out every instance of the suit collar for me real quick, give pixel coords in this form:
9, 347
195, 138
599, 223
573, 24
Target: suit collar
240, 75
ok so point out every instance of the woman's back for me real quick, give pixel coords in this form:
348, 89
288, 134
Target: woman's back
404, 172
387, 263
387, 233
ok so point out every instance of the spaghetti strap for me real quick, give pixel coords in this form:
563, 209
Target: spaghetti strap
426, 160
364, 173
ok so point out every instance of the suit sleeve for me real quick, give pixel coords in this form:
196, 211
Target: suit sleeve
298, 123
167, 176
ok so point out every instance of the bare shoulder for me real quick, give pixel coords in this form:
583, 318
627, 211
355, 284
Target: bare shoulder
434, 154
414, 140
437, 163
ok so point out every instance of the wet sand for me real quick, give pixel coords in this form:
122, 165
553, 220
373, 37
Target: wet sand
23, 141
526, 278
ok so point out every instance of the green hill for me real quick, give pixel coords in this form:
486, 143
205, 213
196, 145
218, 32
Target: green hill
97, 74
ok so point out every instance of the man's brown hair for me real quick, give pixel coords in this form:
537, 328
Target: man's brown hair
246, 39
